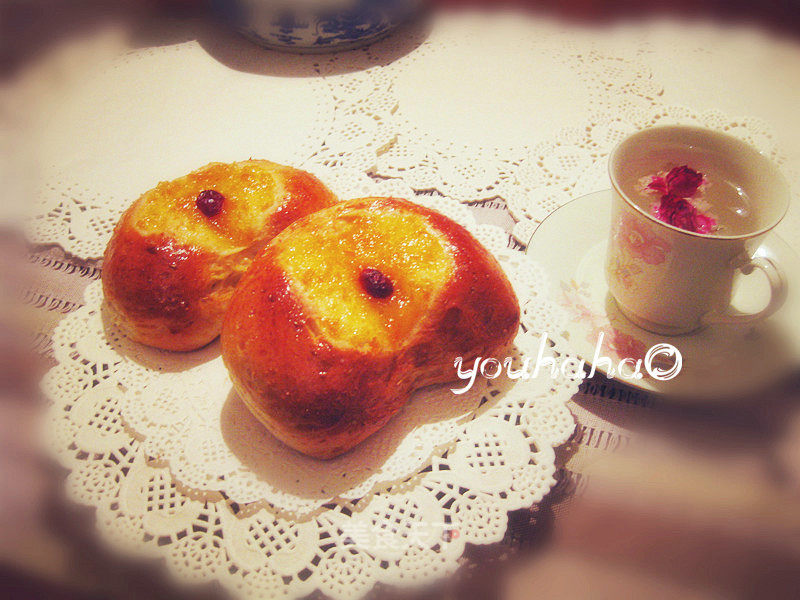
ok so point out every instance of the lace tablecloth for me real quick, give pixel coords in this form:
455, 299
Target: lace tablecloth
153, 114
527, 110
509, 115
503, 106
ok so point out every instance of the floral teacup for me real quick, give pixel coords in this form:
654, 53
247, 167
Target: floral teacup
670, 280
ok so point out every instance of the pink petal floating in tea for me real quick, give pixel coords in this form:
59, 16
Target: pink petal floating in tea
683, 181
704, 223
681, 213
676, 186
657, 184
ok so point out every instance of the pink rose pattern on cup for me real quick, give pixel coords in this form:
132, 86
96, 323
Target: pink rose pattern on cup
625, 271
576, 298
680, 204
640, 242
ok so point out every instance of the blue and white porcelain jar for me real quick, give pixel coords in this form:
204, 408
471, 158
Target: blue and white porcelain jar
315, 25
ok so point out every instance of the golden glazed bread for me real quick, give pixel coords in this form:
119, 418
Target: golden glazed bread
178, 252
352, 308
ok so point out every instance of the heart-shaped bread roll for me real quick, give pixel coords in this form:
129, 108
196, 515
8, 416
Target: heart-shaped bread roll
178, 252
351, 309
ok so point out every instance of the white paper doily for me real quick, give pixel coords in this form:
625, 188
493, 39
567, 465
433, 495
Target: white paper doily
483, 101
177, 468
525, 109
155, 114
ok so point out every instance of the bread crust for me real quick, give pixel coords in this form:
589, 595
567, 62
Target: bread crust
323, 396
169, 270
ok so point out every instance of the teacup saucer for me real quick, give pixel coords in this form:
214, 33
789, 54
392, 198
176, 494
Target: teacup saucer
718, 362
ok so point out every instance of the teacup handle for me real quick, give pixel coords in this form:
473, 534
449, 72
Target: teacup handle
778, 288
